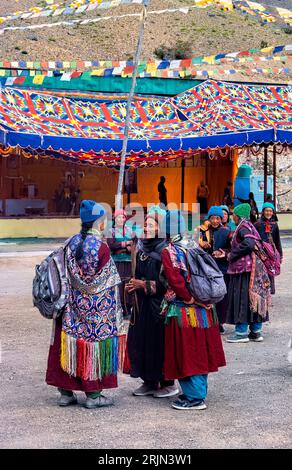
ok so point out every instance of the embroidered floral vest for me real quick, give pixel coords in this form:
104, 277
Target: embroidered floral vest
244, 263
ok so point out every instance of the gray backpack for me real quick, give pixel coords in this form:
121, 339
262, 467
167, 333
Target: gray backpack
207, 282
50, 290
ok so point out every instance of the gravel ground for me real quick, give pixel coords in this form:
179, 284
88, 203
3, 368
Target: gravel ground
277, 3
248, 402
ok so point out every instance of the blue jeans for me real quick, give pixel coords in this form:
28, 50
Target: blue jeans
242, 328
195, 387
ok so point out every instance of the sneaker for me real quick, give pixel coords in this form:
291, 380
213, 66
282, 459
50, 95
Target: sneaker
166, 392
221, 329
98, 402
257, 337
144, 390
183, 403
238, 339
67, 400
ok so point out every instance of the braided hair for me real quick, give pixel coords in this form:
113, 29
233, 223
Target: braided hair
85, 227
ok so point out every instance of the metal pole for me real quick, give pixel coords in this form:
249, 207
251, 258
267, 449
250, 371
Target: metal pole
265, 173
119, 196
275, 176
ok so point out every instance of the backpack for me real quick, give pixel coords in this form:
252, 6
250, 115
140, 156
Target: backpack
50, 290
206, 280
270, 257
267, 252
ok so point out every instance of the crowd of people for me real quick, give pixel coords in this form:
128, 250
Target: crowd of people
174, 340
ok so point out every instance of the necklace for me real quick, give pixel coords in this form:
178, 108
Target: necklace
95, 232
143, 257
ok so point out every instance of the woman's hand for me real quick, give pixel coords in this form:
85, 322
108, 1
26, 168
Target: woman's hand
135, 284
205, 245
129, 246
219, 253
193, 301
206, 306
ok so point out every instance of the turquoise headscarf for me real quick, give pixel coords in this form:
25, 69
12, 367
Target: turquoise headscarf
268, 205
174, 223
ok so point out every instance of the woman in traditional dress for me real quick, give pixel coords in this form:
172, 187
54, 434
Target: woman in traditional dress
226, 221
146, 332
254, 212
85, 351
215, 240
193, 346
120, 243
269, 232
249, 286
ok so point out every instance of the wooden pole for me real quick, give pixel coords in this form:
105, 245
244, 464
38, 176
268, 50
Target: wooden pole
4, 174
119, 196
183, 165
275, 176
207, 168
265, 173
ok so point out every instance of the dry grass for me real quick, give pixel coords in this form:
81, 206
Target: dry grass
209, 31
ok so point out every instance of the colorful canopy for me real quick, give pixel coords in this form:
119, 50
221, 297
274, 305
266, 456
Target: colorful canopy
210, 115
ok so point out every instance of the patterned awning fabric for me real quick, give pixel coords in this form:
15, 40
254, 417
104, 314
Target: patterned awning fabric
210, 115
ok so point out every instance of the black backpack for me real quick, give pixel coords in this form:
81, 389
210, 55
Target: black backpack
50, 290
207, 282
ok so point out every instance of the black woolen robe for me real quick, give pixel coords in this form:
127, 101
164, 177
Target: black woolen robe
146, 332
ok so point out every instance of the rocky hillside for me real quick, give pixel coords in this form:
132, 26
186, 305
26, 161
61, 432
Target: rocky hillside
199, 32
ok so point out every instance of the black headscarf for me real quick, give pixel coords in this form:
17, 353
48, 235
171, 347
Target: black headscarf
153, 247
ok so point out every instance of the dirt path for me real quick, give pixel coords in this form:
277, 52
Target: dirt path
248, 402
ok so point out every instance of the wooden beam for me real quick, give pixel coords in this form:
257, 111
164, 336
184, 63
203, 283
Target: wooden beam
275, 176
265, 173
119, 196
183, 164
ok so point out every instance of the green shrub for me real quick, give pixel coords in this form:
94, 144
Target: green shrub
182, 50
